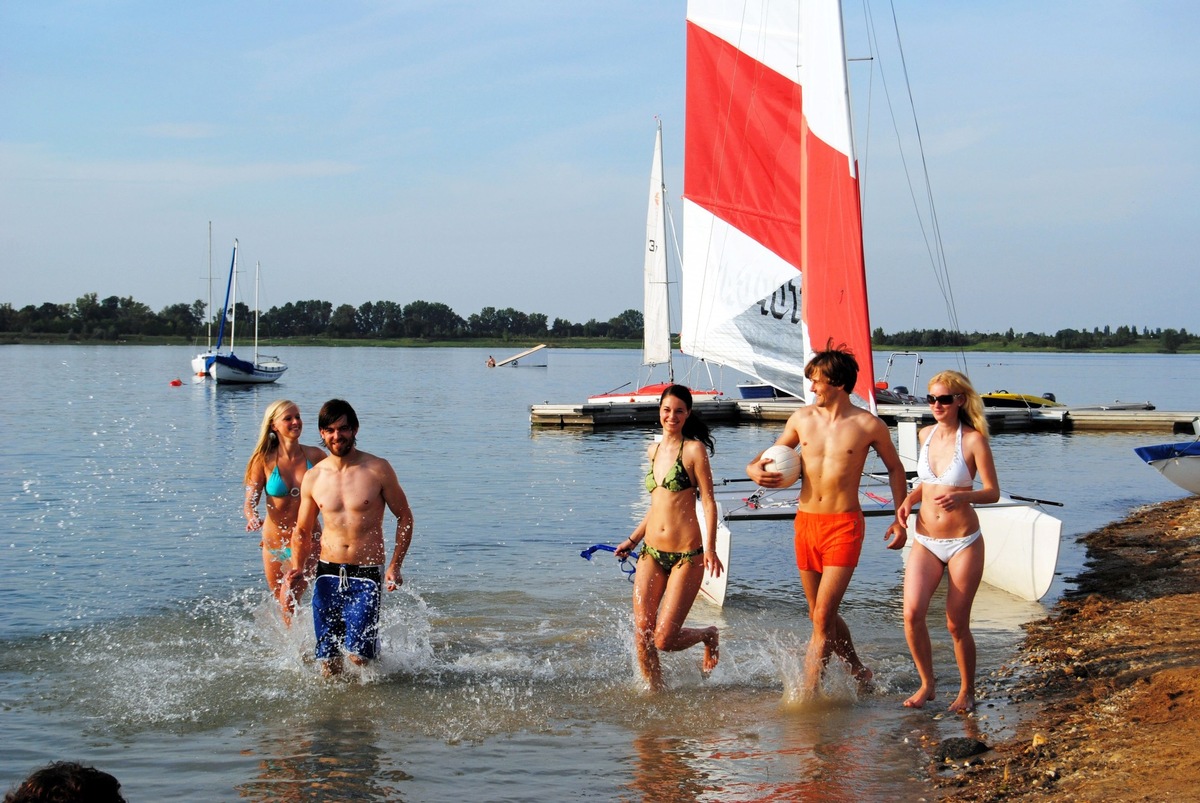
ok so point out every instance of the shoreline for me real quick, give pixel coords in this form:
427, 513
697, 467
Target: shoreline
48, 339
1108, 685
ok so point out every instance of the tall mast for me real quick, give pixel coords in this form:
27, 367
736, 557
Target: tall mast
257, 265
208, 309
233, 298
225, 308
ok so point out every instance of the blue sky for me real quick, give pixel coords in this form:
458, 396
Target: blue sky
497, 154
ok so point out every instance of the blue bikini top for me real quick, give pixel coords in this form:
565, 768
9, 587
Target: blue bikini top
276, 487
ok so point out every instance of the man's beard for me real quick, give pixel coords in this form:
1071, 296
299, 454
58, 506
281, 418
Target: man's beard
345, 447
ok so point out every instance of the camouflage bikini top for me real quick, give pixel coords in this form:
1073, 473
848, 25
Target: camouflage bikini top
677, 478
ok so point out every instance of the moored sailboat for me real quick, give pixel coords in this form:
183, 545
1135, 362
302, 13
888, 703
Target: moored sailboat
656, 313
639, 405
225, 366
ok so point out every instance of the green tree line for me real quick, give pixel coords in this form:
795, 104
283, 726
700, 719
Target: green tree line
114, 318
1122, 337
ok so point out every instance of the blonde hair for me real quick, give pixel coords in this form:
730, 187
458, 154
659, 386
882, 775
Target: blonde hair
971, 412
268, 441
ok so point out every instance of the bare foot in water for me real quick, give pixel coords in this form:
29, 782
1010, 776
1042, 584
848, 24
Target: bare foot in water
919, 699
712, 651
965, 704
865, 678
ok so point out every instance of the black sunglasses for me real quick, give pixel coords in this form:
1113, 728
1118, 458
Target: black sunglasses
943, 400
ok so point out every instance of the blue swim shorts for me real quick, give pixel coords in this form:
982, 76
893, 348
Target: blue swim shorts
346, 602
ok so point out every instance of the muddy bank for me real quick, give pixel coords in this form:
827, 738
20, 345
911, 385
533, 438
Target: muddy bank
1110, 682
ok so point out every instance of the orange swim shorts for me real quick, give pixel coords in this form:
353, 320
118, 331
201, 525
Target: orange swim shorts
828, 539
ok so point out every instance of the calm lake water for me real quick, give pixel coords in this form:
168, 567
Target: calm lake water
137, 634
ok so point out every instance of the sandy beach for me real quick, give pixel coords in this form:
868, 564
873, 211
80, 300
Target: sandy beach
1109, 683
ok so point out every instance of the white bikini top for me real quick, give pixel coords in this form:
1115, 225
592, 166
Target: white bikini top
957, 473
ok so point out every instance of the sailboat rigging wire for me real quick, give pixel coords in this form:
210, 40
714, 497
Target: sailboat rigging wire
931, 229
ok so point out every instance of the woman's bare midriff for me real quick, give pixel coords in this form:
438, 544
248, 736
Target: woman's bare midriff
936, 522
672, 525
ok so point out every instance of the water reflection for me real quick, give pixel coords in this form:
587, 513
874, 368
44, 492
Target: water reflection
668, 769
334, 758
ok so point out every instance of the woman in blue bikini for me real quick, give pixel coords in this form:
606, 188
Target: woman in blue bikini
954, 452
275, 469
675, 554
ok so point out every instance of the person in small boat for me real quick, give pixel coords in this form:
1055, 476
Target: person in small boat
276, 467
675, 551
835, 438
351, 489
954, 453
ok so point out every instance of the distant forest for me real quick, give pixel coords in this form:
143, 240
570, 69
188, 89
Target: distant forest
112, 319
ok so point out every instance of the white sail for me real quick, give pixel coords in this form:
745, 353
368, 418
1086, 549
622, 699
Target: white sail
657, 312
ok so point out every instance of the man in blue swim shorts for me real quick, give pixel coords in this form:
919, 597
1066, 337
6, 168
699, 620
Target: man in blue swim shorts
351, 490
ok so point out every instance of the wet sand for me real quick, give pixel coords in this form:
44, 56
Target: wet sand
1109, 684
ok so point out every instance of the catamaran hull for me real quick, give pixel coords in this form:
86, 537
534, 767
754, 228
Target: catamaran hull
1178, 462
1020, 548
1021, 541
712, 588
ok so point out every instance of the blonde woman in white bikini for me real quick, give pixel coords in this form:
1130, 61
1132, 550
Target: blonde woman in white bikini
954, 454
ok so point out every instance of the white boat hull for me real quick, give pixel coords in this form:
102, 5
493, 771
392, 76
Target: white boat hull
713, 588
199, 365
201, 362
1021, 540
232, 371
1020, 547
1178, 462
1183, 471
650, 394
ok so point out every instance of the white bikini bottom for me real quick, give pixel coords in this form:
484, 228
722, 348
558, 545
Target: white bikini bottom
945, 548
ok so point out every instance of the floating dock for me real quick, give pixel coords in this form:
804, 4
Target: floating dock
1115, 417
623, 414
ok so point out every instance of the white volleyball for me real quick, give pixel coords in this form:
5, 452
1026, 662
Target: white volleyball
785, 461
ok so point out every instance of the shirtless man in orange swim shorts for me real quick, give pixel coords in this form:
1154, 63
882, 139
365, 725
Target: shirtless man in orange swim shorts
834, 437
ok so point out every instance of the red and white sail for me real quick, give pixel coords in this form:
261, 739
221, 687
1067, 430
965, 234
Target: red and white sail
772, 257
